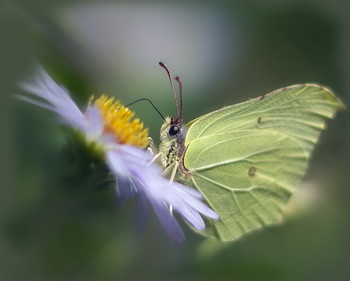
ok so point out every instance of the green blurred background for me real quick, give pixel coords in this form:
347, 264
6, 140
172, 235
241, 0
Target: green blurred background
54, 227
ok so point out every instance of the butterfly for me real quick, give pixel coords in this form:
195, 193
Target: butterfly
247, 159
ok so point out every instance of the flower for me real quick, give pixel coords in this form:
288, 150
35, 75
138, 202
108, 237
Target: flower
123, 139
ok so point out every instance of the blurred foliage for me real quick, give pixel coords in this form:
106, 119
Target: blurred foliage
57, 224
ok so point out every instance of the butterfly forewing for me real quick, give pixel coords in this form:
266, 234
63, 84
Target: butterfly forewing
298, 111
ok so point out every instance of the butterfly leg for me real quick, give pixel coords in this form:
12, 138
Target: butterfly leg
172, 177
155, 158
174, 171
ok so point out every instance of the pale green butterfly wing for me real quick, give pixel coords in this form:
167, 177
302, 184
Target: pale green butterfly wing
298, 111
250, 183
248, 158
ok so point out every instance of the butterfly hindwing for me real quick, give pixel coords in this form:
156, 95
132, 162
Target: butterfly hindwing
246, 177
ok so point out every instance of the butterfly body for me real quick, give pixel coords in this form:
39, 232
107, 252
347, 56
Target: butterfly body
247, 159
172, 148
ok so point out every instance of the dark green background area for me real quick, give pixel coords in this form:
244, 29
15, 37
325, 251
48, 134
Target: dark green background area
59, 217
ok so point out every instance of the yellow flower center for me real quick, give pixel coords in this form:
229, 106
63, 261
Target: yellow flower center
118, 120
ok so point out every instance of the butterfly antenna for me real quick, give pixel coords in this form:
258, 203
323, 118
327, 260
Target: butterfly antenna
177, 78
172, 87
145, 99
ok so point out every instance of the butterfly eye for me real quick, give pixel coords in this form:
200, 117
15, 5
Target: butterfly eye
174, 130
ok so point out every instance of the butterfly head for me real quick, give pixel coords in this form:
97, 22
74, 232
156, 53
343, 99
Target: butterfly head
172, 129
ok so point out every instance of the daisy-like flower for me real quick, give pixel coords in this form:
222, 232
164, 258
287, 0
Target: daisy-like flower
123, 141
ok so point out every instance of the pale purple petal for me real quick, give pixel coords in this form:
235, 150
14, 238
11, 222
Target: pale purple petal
95, 121
186, 205
176, 195
190, 191
118, 164
36, 102
194, 202
168, 221
125, 188
192, 217
137, 155
59, 100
